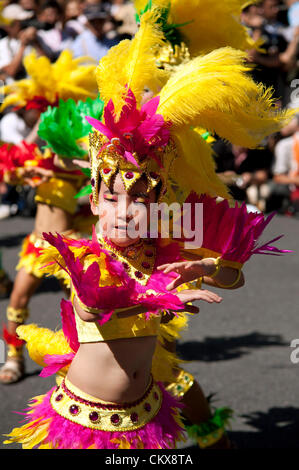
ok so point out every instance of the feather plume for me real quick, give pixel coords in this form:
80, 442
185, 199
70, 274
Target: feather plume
61, 127
216, 92
203, 35
195, 167
133, 64
44, 428
42, 341
232, 231
66, 78
194, 25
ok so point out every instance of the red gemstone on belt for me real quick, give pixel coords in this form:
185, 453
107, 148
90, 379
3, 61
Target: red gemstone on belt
74, 409
115, 419
134, 417
147, 407
129, 175
139, 274
94, 416
107, 170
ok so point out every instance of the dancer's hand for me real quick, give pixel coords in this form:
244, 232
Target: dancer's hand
198, 294
81, 163
34, 176
188, 271
190, 296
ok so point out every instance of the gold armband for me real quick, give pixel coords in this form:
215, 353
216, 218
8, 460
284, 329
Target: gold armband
12, 351
217, 262
95, 311
234, 283
17, 315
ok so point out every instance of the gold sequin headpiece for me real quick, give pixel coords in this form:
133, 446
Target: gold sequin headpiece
137, 145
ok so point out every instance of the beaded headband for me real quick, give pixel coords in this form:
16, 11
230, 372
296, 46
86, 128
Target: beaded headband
136, 145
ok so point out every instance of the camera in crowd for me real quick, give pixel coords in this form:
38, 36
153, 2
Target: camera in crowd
34, 23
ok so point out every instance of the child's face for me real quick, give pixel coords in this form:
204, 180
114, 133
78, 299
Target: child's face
124, 217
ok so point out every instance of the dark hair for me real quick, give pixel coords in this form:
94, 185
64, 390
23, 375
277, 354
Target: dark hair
50, 4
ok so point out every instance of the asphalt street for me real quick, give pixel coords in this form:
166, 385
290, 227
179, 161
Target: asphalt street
239, 350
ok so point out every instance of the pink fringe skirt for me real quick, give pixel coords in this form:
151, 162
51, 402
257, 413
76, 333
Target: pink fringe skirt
66, 418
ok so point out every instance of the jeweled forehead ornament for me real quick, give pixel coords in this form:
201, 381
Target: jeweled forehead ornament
137, 144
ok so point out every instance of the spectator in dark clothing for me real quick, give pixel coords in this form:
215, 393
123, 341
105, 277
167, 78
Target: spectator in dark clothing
49, 30
244, 170
278, 56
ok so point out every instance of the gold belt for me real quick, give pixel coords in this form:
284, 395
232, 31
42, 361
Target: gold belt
72, 404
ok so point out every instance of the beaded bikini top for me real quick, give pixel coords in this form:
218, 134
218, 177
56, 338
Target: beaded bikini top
138, 261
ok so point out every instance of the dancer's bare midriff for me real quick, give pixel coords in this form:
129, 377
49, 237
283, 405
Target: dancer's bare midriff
51, 219
116, 371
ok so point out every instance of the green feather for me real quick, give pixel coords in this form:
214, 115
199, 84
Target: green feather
219, 420
84, 191
62, 126
170, 30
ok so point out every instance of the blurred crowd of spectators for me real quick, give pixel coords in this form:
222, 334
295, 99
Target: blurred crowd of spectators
267, 178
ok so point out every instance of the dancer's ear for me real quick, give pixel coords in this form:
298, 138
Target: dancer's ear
93, 207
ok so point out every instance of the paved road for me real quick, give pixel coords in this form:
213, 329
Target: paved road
239, 350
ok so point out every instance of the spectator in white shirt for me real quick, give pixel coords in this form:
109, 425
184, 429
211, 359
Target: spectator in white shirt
15, 45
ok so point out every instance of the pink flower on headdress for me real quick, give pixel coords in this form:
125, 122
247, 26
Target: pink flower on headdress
142, 131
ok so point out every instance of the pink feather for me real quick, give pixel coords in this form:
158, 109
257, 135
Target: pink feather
55, 363
141, 131
232, 232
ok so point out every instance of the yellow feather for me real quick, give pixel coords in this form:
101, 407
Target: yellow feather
202, 33
42, 341
132, 63
173, 330
140, 68
64, 79
109, 74
216, 92
141, 4
194, 169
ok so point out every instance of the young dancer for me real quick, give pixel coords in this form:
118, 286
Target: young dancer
112, 323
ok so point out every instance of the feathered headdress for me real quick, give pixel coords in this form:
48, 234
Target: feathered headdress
135, 145
213, 92
47, 83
